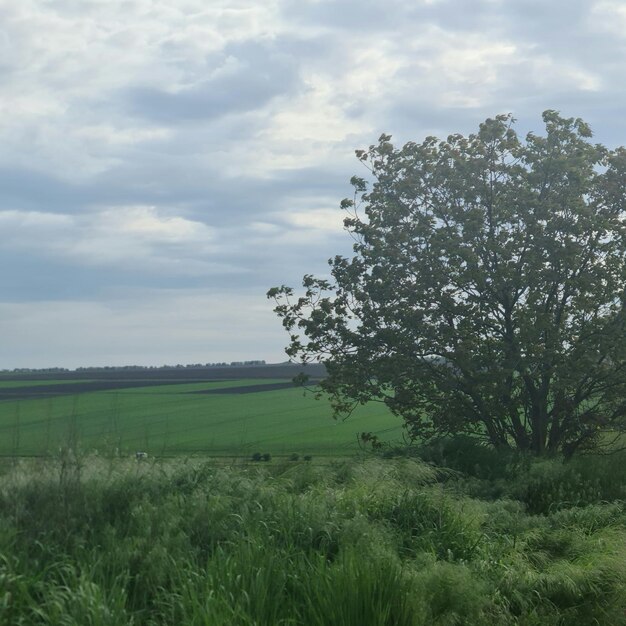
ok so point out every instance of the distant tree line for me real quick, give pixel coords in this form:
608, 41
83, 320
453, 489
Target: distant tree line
28, 370
124, 368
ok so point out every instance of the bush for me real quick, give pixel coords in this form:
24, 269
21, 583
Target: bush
469, 456
550, 485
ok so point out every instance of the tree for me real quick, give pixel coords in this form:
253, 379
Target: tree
487, 290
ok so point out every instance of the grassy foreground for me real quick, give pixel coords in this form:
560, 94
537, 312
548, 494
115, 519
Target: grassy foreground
362, 542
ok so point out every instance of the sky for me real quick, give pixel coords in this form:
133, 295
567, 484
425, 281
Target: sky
163, 163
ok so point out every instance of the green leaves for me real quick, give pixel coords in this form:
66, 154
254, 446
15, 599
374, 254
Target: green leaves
486, 294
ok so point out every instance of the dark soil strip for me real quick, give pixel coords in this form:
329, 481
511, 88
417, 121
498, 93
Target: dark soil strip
47, 391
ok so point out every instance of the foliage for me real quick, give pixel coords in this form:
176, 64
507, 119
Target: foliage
363, 542
542, 485
468, 455
487, 291
587, 480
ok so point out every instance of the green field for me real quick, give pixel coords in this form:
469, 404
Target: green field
173, 419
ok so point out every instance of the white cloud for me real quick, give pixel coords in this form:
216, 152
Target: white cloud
328, 220
121, 157
609, 16
116, 236
147, 224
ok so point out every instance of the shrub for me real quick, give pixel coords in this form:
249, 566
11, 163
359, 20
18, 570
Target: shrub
469, 456
550, 485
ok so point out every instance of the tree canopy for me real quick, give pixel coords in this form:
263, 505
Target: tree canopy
487, 290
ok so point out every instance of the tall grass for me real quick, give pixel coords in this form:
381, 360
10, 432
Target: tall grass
86, 540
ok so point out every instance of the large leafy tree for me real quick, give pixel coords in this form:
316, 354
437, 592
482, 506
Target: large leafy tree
487, 290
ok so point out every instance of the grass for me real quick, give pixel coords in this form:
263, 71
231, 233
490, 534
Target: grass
172, 420
448, 534
366, 541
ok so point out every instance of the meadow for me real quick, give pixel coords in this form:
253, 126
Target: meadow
364, 541
166, 416
446, 533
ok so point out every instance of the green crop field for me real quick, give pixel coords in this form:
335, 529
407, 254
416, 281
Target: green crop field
180, 418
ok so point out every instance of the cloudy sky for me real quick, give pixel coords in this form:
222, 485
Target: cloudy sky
164, 162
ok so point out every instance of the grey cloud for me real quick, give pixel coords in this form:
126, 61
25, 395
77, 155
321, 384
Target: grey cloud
357, 15
205, 193
199, 164
43, 269
34, 278
199, 191
29, 189
414, 119
395, 17
264, 72
360, 17
568, 36
536, 17
26, 189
